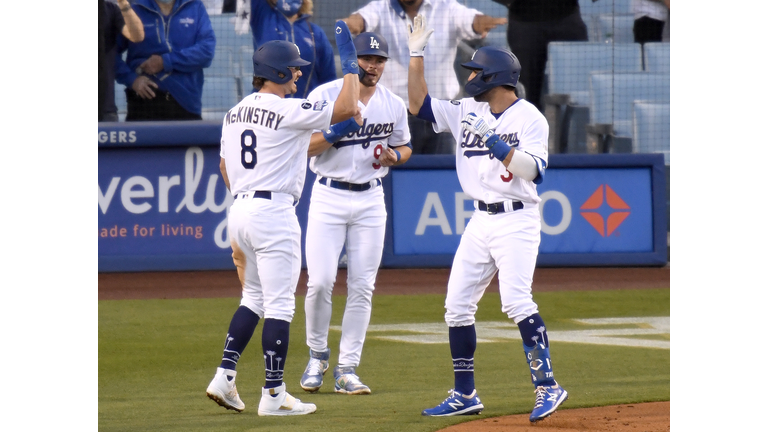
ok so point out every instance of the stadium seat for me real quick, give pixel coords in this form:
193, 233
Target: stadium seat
656, 57
568, 70
244, 60
224, 29
220, 93
651, 131
223, 63
612, 96
120, 101
569, 65
616, 28
597, 7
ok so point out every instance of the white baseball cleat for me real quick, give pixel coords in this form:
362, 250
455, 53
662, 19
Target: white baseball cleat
223, 390
278, 402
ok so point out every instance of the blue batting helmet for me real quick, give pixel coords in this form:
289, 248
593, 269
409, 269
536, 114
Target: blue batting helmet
370, 43
274, 58
495, 67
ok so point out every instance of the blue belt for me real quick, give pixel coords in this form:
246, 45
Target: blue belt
260, 194
494, 208
354, 187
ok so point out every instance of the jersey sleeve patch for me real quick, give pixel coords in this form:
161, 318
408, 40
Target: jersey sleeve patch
306, 105
320, 105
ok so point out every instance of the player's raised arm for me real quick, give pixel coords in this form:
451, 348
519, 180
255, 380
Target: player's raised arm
418, 35
346, 103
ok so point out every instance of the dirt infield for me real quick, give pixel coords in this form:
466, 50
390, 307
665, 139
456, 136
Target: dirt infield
647, 417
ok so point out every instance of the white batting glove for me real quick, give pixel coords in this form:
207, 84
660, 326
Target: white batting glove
418, 36
476, 125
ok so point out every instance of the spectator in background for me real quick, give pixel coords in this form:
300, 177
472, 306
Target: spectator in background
214, 7
452, 22
164, 73
533, 24
114, 19
290, 20
650, 18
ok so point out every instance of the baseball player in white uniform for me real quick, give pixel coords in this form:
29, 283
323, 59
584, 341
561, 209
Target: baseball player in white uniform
348, 206
264, 144
501, 155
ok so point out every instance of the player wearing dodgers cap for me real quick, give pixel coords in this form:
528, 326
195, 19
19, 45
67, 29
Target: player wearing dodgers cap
264, 142
501, 156
348, 206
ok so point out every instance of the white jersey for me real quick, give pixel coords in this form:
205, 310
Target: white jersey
452, 22
482, 177
354, 158
264, 142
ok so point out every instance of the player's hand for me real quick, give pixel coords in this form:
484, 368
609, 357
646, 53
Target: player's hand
388, 157
347, 51
143, 86
478, 126
152, 65
482, 24
418, 36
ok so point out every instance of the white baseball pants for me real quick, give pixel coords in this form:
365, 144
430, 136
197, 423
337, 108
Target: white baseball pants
266, 248
507, 242
360, 219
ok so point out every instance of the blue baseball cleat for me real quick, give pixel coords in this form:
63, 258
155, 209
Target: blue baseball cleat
548, 399
312, 378
456, 404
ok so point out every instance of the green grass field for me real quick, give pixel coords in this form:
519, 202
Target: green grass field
156, 358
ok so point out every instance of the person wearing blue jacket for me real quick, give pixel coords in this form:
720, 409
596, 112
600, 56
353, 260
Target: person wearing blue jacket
290, 20
163, 74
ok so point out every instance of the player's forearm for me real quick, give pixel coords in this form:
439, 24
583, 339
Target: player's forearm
317, 144
346, 104
223, 169
356, 23
417, 85
405, 154
134, 28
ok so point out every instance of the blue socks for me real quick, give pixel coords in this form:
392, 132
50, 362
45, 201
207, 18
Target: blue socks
241, 329
463, 341
536, 347
274, 342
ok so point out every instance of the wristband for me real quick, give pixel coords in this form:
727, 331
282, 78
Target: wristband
499, 149
339, 130
398, 154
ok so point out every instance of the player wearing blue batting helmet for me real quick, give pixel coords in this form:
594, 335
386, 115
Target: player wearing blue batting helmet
273, 60
495, 67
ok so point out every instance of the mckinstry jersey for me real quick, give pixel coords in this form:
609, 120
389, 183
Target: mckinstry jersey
354, 158
264, 142
482, 177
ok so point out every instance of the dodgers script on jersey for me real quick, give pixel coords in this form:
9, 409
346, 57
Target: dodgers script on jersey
355, 157
482, 177
264, 134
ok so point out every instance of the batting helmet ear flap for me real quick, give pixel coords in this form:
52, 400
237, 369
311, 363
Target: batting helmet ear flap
273, 59
494, 66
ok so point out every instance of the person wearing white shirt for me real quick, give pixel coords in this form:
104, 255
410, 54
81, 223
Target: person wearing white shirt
452, 22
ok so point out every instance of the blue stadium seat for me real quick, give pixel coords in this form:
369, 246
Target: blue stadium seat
616, 28
651, 131
597, 7
223, 63
224, 29
245, 59
566, 105
120, 101
246, 85
612, 96
656, 57
569, 65
220, 93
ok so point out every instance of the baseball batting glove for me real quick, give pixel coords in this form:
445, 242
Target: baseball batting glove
418, 36
478, 126
347, 51
336, 132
